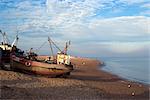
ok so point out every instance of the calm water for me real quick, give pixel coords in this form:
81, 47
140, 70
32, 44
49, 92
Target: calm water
134, 69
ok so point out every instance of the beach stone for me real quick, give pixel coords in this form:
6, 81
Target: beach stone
83, 63
140, 85
129, 86
122, 81
133, 93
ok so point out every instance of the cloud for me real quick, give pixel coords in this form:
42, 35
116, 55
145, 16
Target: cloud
81, 21
112, 49
133, 1
127, 47
147, 5
73, 18
70, 12
146, 13
122, 26
125, 29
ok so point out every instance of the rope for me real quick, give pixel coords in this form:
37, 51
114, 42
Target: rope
40, 46
55, 45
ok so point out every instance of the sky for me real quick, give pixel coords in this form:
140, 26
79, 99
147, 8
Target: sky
96, 28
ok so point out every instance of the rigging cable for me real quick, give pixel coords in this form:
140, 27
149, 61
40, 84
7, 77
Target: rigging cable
55, 45
40, 46
49, 40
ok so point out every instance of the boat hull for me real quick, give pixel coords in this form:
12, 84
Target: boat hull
40, 67
4, 59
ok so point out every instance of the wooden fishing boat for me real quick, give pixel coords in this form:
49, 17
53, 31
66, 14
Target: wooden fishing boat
40, 67
52, 66
5, 51
12, 58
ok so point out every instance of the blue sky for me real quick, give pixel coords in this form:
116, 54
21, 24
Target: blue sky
95, 27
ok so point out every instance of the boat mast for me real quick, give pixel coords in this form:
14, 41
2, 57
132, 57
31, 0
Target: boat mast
15, 42
50, 42
4, 37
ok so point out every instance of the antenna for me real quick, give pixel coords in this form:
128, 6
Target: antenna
66, 47
17, 38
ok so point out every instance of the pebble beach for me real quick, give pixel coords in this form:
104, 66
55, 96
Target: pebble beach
86, 82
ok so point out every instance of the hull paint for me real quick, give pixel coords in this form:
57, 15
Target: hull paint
39, 67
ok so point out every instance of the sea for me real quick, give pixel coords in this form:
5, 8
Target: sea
131, 68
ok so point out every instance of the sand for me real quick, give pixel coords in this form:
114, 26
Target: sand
86, 82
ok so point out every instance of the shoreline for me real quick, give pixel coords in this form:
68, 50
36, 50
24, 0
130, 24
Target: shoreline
102, 64
145, 84
104, 76
87, 81
130, 80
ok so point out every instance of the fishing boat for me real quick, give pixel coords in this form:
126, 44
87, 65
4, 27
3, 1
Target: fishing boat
5, 51
52, 66
13, 58
40, 67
